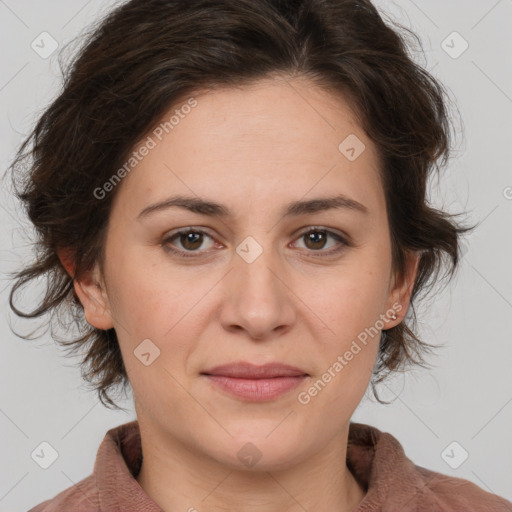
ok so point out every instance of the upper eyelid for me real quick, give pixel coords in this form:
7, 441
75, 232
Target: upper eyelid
182, 231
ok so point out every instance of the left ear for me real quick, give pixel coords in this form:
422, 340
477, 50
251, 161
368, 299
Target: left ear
401, 289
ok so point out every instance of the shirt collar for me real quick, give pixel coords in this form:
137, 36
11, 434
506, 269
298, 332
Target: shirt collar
375, 458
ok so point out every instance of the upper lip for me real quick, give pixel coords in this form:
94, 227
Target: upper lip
245, 370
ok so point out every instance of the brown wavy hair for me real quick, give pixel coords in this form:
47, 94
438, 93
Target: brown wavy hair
144, 55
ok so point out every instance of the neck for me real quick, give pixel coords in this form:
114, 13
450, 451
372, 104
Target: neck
179, 478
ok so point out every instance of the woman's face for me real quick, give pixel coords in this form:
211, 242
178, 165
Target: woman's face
250, 285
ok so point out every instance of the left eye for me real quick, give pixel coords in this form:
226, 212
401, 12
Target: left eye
316, 240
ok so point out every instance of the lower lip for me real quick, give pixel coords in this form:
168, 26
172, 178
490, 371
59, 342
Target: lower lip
256, 390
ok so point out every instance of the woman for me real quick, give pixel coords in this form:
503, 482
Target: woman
232, 197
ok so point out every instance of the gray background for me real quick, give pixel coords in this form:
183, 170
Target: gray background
465, 398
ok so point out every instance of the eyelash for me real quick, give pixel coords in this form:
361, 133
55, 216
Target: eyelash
196, 254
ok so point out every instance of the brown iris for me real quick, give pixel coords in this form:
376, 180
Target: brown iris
191, 240
317, 238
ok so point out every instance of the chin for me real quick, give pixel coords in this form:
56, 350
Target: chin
257, 451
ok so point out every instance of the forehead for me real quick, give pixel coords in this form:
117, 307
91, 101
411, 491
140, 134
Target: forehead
272, 141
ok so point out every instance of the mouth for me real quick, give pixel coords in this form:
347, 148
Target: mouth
255, 383
244, 370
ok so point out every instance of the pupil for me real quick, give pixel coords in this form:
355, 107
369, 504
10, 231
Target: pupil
316, 237
191, 238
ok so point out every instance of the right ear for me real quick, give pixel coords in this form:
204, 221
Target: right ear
67, 258
89, 290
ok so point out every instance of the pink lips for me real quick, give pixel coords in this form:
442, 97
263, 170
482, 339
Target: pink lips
255, 383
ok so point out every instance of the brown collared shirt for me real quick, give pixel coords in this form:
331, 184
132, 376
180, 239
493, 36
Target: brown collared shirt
392, 482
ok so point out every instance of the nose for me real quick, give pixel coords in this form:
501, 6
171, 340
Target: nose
257, 298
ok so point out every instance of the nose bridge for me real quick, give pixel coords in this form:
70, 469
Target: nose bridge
259, 275
257, 299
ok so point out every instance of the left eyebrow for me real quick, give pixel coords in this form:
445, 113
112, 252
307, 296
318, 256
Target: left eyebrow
328, 203
295, 208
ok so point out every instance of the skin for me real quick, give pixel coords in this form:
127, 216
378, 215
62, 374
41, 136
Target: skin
254, 149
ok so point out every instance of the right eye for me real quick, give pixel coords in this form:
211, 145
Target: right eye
190, 239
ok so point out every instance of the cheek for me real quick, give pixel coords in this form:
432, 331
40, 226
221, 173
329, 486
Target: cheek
146, 296
350, 299
156, 303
